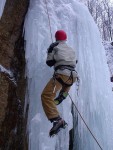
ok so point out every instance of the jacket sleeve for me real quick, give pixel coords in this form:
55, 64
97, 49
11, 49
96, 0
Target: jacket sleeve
50, 55
50, 59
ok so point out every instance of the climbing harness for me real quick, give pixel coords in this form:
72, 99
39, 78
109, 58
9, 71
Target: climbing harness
62, 67
63, 83
68, 85
85, 123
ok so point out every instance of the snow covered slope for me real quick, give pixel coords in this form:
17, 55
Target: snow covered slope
95, 100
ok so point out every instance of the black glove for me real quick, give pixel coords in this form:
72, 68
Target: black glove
50, 63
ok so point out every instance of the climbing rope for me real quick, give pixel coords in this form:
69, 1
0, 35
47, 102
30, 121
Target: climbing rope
49, 20
85, 122
68, 93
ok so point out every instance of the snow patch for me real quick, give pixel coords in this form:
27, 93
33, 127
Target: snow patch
8, 74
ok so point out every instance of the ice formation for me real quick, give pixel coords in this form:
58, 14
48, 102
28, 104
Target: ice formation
95, 100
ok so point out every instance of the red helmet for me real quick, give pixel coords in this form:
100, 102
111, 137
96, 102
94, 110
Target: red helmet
60, 35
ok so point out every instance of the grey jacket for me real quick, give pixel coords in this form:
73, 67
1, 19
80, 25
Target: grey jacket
59, 53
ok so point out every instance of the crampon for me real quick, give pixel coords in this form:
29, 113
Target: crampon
57, 126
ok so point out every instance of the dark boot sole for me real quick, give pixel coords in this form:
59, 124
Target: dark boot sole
55, 132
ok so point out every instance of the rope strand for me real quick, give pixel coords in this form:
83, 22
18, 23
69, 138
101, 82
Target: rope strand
49, 21
85, 123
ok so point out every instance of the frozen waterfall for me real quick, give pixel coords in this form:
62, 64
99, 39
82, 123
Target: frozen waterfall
95, 100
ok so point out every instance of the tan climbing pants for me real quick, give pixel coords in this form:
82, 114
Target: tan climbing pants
49, 93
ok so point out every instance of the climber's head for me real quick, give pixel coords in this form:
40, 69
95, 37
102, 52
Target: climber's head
60, 35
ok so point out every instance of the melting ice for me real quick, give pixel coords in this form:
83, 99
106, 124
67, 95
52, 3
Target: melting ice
95, 100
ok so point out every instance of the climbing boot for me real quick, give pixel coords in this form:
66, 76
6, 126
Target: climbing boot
57, 126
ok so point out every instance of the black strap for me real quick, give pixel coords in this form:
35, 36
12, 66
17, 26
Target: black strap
65, 83
62, 67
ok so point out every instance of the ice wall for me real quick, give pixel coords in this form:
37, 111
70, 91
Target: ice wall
95, 97
2, 4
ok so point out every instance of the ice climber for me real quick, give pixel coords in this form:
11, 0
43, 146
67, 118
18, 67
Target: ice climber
62, 57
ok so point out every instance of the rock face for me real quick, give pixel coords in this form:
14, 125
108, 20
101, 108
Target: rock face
12, 122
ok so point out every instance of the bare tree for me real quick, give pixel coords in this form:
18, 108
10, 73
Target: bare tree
102, 12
